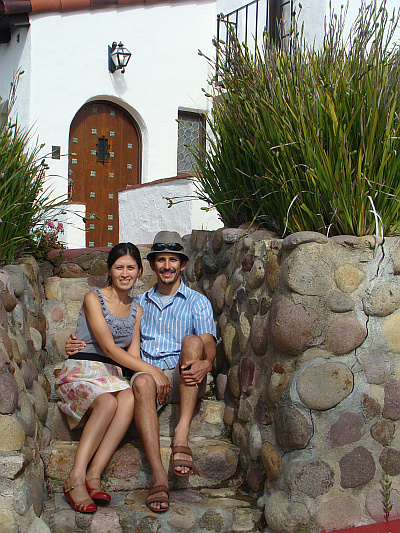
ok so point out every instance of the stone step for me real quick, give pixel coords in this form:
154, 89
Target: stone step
198, 511
215, 465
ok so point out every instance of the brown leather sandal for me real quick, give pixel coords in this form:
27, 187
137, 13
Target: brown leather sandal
182, 462
152, 498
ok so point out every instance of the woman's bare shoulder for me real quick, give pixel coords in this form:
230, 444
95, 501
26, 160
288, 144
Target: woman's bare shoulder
91, 298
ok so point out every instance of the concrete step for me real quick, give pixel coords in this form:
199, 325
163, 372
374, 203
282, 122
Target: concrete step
198, 511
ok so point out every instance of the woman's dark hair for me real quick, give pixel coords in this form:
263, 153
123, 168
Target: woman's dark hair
121, 249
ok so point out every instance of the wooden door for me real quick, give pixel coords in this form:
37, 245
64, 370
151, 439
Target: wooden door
104, 156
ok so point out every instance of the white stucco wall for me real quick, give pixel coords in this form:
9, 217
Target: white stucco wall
313, 13
144, 211
15, 56
164, 72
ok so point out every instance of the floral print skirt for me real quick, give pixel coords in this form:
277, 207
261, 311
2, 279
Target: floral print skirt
81, 381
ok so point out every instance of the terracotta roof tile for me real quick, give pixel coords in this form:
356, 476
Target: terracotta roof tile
9, 7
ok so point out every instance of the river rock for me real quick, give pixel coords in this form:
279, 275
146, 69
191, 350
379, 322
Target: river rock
291, 327
232, 235
389, 460
348, 278
391, 333
391, 407
272, 273
373, 504
338, 302
26, 414
302, 237
234, 382
271, 461
8, 393
9, 301
324, 385
106, 520
356, 468
244, 332
259, 336
52, 288
383, 299
41, 402
342, 512
217, 293
29, 373
249, 375
378, 366
254, 479
229, 336
8, 523
293, 430
383, 431
344, 335
3, 317
12, 436
219, 462
306, 272
347, 429
312, 477
256, 275
230, 416
255, 442
247, 262
283, 515
261, 412
277, 384
217, 241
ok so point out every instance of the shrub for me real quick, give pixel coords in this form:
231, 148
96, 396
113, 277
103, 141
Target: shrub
25, 202
308, 139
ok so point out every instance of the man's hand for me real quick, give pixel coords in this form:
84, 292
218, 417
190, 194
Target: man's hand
193, 372
163, 384
72, 346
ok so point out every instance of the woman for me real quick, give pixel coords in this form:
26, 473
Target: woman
91, 386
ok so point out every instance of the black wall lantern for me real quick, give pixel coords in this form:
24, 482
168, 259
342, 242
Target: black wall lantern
118, 57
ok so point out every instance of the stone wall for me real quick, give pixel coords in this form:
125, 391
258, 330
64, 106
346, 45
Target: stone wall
309, 369
23, 398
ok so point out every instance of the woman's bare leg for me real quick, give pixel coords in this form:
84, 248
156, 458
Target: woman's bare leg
115, 433
103, 410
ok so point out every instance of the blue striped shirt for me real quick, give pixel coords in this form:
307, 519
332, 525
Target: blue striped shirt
162, 329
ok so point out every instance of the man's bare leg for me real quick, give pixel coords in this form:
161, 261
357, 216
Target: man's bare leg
192, 348
146, 420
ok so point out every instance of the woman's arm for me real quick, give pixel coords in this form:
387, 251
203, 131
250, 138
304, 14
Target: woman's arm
163, 384
129, 358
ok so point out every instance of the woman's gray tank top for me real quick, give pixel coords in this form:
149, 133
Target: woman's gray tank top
121, 328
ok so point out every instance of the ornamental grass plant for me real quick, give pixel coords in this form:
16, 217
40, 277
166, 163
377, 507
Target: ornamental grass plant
305, 138
24, 200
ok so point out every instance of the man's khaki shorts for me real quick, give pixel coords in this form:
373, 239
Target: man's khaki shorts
174, 377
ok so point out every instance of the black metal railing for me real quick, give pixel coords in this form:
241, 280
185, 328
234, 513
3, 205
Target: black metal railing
252, 22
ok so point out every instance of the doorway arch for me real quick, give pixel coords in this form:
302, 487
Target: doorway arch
105, 153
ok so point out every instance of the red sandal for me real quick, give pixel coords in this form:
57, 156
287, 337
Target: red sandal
85, 506
97, 494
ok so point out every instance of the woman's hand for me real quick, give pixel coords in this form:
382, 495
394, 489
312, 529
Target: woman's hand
162, 382
72, 346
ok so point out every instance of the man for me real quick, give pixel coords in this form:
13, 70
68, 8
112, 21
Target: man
178, 337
